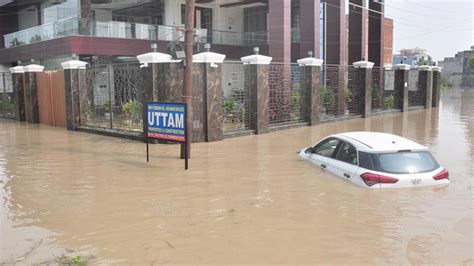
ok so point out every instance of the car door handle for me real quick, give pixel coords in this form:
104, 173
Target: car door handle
347, 175
323, 166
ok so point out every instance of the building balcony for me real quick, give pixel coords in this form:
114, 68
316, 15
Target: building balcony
127, 30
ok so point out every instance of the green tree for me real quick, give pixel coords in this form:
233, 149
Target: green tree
470, 62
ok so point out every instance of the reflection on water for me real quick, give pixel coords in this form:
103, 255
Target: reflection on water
248, 199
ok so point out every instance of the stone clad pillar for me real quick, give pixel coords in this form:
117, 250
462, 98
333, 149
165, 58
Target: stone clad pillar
259, 91
212, 96
150, 71
425, 79
311, 89
363, 87
31, 93
436, 86
18, 75
71, 82
401, 86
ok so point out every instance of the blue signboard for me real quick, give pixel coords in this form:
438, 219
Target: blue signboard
166, 121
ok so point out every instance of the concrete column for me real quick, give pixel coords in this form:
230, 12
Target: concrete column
169, 82
259, 92
376, 47
363, 83
149, 81
209, 94
31, 98
336, 52
279, 30
71, 82
153, 75
425, 79
86, 17
401, 86
358, 31
336, 32
310, 27
436, 88
207, 103
311, 89
18, 75
72, 98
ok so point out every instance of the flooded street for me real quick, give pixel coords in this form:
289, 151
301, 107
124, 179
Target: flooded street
244, 200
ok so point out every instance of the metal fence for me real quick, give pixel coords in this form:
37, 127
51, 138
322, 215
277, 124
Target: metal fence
415, 91
236, 96
353, 98
391, 97
286, 98
111, 97
8, 107
377, 88
331, 78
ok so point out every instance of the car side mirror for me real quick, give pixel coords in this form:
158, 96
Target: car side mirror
309, 150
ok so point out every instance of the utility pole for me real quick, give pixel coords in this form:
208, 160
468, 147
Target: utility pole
188, 73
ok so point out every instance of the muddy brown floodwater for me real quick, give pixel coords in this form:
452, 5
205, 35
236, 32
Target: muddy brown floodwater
244, 200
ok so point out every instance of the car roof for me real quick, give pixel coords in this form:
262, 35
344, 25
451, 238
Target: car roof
377, 142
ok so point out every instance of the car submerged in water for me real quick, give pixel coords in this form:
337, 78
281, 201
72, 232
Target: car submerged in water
377, 160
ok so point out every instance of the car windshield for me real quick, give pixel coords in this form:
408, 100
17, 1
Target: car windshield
405, 162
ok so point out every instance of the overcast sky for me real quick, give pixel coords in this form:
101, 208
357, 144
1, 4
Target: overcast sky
442, 27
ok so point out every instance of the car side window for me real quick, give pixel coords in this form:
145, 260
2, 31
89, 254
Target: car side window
347, 154
327, 147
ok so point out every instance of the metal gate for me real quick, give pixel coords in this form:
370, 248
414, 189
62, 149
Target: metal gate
51, 98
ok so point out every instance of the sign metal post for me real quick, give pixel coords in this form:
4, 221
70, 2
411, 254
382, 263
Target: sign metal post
165, 121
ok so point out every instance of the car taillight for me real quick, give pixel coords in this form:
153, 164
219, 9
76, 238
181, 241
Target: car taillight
442, 175
372, 179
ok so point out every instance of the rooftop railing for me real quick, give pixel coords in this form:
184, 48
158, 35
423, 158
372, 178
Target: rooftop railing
127, 30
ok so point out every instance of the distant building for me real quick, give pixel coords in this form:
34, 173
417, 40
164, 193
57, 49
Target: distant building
457, 70
388, 41
409, 56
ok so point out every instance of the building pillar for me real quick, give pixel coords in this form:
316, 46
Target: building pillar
363, 83
425, 79
310, 28
31, 98
71, 82
311, 89
153, 74
207, 103
336, 32
71, 77
169, 77
358, 31
376, 36
18, 76
436, 87
86, 18
336, 52
259, 92
279, 30
401, 86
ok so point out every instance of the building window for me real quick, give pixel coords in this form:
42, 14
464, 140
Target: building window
56, 10
295, 22
183, 14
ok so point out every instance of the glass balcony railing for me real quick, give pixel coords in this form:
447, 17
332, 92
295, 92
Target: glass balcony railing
126, 30
60, 28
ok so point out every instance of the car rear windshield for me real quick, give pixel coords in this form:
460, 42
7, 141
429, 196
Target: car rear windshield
399, 162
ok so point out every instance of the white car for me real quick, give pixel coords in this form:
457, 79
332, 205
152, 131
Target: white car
377, 160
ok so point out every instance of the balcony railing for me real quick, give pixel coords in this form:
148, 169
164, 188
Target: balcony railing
126, 30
